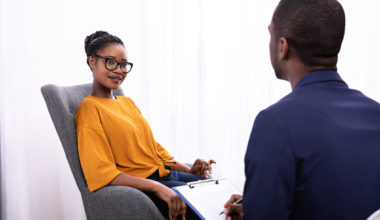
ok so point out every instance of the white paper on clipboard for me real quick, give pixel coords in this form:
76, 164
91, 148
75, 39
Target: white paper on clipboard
207, 197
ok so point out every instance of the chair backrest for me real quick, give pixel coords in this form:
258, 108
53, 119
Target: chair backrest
62, 103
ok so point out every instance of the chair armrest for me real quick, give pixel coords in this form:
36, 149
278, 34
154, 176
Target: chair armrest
120, 202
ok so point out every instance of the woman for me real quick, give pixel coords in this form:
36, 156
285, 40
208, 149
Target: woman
115, 143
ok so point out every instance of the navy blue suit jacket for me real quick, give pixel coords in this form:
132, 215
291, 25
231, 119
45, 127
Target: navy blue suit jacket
315, 154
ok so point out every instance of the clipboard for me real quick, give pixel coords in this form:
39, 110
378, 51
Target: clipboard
207, 197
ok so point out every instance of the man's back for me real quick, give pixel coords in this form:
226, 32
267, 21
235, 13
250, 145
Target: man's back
315, 154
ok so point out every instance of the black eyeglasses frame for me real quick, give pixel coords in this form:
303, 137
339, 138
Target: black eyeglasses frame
118, 64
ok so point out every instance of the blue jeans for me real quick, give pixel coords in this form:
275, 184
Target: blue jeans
175, 178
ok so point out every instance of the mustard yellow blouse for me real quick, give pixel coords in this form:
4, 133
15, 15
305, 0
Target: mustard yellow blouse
114, 138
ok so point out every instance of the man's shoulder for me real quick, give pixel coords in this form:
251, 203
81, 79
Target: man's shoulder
311, 105
286, 103
294, 105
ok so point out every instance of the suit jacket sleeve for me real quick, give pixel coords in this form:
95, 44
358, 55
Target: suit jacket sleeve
270, 170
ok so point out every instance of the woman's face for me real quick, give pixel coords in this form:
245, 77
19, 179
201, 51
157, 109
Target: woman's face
108, 79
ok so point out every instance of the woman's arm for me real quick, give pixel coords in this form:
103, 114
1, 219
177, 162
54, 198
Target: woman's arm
176, 205
180, 166
139, 183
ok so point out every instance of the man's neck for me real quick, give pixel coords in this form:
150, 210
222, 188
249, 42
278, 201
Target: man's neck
299, 70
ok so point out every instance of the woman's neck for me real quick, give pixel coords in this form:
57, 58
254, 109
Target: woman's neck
101, 91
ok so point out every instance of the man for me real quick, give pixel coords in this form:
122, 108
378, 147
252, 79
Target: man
315, 154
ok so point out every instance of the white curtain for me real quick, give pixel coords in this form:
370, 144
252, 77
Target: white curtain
201, 74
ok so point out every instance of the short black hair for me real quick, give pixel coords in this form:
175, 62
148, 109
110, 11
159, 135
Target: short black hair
97, 41
314, 28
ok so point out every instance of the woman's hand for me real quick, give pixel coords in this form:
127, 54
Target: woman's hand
200, 167
233, 211
176, 205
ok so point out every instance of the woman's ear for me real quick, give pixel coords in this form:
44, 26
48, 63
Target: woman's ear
91, 61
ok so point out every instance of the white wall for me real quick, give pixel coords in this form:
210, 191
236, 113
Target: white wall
201, 74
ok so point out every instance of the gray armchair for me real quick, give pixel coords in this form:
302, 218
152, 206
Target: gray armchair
110, 202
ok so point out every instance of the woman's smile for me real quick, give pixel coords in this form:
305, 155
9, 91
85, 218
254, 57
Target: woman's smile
115, 79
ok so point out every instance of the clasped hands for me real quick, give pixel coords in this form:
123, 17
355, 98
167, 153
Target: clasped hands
200, 167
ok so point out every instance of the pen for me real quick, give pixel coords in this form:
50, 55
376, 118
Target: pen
234, 203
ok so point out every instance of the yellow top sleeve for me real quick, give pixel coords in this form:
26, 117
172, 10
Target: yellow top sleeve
113, 138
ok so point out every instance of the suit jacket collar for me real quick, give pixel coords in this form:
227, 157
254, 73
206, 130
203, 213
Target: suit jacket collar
319, 76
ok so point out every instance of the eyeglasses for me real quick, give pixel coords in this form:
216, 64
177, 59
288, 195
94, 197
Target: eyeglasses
111, 64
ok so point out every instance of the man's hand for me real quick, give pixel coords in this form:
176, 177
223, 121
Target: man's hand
233, 211
176, 205
200, 167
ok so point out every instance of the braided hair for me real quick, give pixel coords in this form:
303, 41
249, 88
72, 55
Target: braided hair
97, 41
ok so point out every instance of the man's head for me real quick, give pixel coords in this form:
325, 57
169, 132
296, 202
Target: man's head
313, 31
